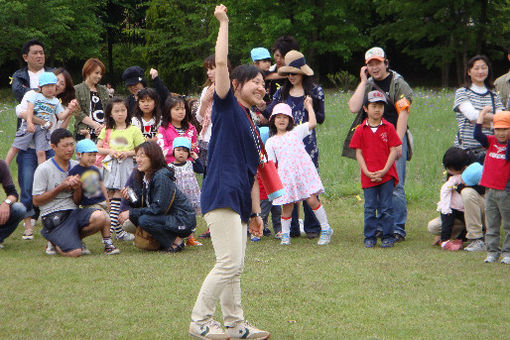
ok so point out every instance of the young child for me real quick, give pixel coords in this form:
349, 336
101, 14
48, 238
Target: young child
92, 193
496, 172
175, 124
118, 140
376, 141
261, 59
184, 171
299, 176
42, 104
147, 115
450, 206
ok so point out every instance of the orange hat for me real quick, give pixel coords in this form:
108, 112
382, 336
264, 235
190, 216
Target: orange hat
502, 120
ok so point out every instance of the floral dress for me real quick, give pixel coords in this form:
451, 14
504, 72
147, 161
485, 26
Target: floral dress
297, 172
187, 183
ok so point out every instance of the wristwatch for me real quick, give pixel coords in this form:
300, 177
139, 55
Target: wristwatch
8, 202
255, 215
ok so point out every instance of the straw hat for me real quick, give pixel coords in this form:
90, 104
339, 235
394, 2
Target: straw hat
295, 63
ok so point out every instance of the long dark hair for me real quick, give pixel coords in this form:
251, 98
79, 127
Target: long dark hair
488, 81
308, 86
108, 119
156, 113
158, 161
69, 93
170, 102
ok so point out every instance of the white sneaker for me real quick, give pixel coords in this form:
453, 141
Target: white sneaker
2, 245
505, 260
50, 249
285, 240
325, 237
207, 330
84, 249
243, 330
123, 236
491, 258
476, 245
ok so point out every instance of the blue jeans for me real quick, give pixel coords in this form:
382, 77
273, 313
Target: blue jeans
399, 195
27, 163
17, 214
379, 210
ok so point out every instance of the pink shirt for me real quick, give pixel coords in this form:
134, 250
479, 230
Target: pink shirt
166, 136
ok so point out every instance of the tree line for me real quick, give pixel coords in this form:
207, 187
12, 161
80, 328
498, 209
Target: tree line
429, 42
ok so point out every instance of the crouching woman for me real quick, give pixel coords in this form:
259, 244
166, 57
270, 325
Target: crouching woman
157, 207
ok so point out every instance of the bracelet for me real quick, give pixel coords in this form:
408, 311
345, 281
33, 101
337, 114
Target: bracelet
255, 215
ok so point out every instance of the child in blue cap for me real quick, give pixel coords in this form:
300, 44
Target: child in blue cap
42, 104
92, 193
261, 59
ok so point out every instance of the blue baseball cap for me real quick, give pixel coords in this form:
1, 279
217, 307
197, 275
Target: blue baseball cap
47, 78
472, 174
264, 133
260, 53
86, 145
182, 142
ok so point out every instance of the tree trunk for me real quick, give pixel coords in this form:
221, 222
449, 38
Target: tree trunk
480, 38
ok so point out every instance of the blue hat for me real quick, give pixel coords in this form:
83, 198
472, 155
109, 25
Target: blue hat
47, 78
264, 133
182, 142
260, 53
472, 174
86, 145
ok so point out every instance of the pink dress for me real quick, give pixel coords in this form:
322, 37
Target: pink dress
166, 136
298, 173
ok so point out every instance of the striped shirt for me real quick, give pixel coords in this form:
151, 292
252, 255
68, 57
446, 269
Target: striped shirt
464, 138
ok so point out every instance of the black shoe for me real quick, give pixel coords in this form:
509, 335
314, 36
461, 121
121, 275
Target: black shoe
266, 232
399, 238
379, 234
294, 234
312, 235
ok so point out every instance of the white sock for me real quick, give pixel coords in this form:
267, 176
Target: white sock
286, 225
320, 213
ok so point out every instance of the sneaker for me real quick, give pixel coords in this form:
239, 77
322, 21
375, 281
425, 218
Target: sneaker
2, 245
476, 245
458, 243
278, 235
254, 238
285, 239
208, 330
84, 249
207, 234
191, 242
504, 260
388, 242
50, 249
325, 237
450, 245
123, 236
266, 232
399, 238
28, 234
437, 240
109, 249
370, 243
491, 257
243, 330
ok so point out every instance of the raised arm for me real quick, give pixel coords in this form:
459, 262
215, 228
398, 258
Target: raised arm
222, 79
312, 119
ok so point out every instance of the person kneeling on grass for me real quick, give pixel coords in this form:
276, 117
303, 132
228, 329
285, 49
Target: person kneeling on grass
92, 192
64, 224
376, 142
159, 208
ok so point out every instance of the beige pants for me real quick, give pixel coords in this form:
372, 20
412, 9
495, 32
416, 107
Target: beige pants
228, 236
434, 227
128, 227
474, 212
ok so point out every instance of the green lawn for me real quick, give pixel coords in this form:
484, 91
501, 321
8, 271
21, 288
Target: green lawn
303, 291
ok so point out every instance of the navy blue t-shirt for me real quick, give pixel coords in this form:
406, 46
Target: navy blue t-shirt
90, 176
232, 159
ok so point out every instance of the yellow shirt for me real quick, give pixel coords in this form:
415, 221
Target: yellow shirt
123, 140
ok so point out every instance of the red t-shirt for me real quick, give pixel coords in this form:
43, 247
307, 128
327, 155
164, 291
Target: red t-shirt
496, 169
375, 148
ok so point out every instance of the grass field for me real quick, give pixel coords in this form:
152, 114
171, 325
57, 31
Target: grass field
412, 291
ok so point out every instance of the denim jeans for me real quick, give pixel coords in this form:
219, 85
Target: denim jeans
27, 163
379, 210
399, 195
266, 207
17, 214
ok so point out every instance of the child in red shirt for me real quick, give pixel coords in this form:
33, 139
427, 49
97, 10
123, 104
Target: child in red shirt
376, 141
496, 172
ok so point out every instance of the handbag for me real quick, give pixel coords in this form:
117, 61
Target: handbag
266, 168
144, 240
101, 157
346, 150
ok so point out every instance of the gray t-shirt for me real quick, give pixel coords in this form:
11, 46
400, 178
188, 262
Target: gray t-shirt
48, 176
